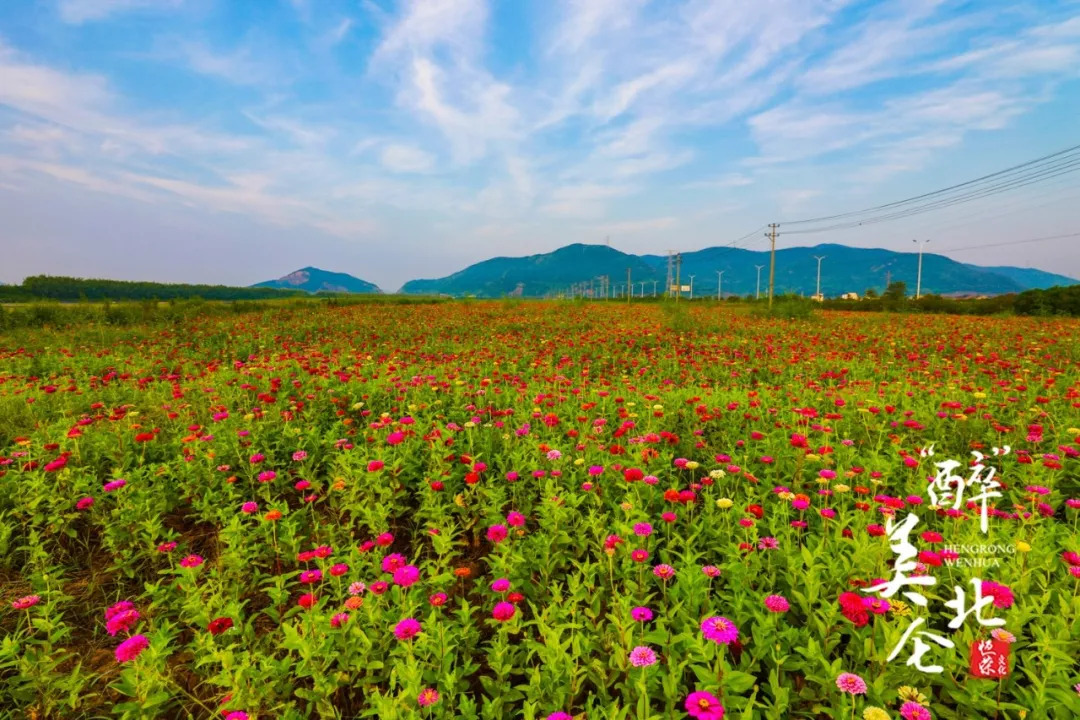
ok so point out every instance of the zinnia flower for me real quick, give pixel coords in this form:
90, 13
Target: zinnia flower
406, 576
122, 621
851, 683
496, 533
641, 614
407, 629
503, 611
914, 711
642, 656
664, 572
427, 697
25, 602
875, 713
131, 648
1002, 594
192, 561
704, 706
720, 630
219, 625
777, 604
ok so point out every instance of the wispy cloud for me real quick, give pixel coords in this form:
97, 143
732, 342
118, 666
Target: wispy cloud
80, 11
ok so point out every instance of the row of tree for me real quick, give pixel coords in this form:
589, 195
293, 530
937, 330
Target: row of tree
68, 289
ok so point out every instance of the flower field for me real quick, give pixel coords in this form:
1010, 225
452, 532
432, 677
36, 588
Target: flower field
540, 510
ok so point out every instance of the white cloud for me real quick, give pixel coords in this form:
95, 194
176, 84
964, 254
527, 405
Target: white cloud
406, 159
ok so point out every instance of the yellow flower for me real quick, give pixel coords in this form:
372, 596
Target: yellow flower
786, 495
692, 465
579, 461
658, 407
249, 416
717, 474
813, 458
470, 424
979, 395
875, 713
459, 500
899, 608
627, 507
1073, 431
724, 503
910, 694
1023, 546
842, 488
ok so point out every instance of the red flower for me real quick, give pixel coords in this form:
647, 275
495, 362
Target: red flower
219, 625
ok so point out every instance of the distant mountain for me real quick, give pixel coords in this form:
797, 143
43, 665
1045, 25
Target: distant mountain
844, 269
538, 275
314, 280
1030, 278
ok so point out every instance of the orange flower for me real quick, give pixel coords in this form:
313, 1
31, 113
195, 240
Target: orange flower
462, 572
273, 515
354, 602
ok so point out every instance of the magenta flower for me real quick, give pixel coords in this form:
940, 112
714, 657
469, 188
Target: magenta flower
777, 604
192, 561
503, 611
496, 533
392, 562
560, 715
914, 711
407, 629
339, 569
406, 576
643, 529
339, 619
114, 485
1002, 594
122, 621
427, 697
641, 614
711, 571
704, 706
515, 519
84, 503
851, 684
310, 577
249, 507
642, 656
131, 648
720, 630
501, 585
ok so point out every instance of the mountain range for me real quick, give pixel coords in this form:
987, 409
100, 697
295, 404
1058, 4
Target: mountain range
844, 269
314, 280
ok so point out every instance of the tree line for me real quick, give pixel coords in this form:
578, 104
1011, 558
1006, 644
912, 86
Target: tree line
70, 289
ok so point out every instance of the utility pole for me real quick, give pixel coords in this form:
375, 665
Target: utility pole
629, 285
670, 272
720, 284
678, 280
918, 281
691, 287
772, 259
819, 258
653, 288
757, 294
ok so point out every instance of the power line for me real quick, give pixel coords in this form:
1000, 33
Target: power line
1012, 242
1039, 175
1062, 154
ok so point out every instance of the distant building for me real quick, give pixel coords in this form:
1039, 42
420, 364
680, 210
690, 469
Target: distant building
850, 296
818, 297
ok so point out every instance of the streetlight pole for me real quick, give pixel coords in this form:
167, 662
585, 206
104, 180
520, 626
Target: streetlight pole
720, 284
654, 288
819, 258
918, 281
691, 287
757, 293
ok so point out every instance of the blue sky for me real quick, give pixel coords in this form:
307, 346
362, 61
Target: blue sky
235, 141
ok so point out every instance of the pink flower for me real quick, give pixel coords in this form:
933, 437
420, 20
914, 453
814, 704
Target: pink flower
26, 602
131, 648
406, 576
664, 572
914, 711
375, 466
299, 456
166, 547
339, 619
851, 683
642, 656
357, 588
392, 562
84, 503
496, 533
503, 611
704, 706
711, 571
310, 577
515, 519
407, 629
192, 561
641, 614
249, 507
114, 485
237, 715
1002, 594
427, 697
339, 569
122, 621
560, 715
720, 630
643, 529
501, 585
777, 604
